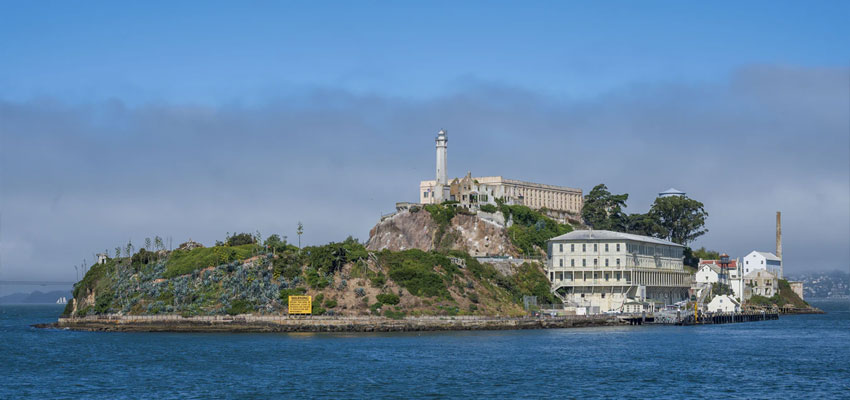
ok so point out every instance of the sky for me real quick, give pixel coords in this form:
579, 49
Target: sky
120, 121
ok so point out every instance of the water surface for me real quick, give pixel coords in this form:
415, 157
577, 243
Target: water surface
802, 356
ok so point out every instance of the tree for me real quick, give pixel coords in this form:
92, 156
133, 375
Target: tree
299, 231
604, 210
681, 219
704, 254
240, 239
118, 252
128, 250
643, 224
275, 243
157, 242
147, 244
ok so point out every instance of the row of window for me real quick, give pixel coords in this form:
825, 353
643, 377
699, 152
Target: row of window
584, 247
584, 262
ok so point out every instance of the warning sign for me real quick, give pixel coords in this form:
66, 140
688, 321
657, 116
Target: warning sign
300, 304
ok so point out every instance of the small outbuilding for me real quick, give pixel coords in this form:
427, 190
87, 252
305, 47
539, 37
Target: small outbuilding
708, 273
723, 303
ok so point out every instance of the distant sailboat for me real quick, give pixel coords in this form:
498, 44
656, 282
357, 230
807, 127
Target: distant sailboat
62, 300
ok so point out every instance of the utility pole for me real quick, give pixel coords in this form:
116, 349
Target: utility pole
299, 231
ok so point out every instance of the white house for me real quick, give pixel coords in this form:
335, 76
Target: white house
723, 303
762, 260
708, 273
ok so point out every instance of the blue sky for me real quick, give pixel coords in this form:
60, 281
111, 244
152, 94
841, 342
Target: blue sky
213, 52
124, 121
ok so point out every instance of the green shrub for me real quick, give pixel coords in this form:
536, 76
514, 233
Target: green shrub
441, 214
240, 239
488, 208
419, 279
102, 302
388, 298
394, 314
531, 229
285, 293
316, 280
330, 303
182, 262
240, 307
375, 307
378, 280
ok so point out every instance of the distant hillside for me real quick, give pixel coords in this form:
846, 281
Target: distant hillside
825, 285
35, 297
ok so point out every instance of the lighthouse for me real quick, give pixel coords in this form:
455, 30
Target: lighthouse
442, 177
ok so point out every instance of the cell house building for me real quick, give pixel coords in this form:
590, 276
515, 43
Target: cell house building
601, 271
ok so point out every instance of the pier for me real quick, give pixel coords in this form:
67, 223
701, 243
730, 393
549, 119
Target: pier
702, 318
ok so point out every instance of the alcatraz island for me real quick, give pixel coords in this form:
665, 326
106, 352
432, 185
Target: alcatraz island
472, 253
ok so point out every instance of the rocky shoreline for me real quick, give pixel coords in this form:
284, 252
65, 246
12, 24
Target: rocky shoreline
255, 323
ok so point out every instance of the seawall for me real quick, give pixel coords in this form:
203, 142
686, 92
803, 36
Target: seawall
267, 323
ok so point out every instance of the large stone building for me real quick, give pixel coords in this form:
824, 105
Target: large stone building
602, 271
474, 191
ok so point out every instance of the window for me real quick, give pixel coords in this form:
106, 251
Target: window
618, 247
595, 262
572, 263
572, 247
606, 247
561, 263
618, 262
561, 247
606, 262
583, 262
595, 247
425, 194
606, 276
583, 247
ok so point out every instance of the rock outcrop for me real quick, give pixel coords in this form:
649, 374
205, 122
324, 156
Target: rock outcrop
416, 229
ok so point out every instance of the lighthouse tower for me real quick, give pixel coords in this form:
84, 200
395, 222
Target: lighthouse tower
441, 187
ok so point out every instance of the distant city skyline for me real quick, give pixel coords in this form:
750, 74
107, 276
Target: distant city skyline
124, 122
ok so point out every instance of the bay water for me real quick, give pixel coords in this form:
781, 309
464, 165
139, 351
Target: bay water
802, 356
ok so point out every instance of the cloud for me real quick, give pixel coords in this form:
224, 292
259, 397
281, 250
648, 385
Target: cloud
77, 179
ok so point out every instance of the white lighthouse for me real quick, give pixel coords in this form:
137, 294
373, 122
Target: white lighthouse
441, 188
442, 145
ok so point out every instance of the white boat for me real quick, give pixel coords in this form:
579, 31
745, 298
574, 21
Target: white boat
62, 300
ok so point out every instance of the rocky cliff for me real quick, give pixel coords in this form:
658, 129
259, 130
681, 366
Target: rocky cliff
484, 235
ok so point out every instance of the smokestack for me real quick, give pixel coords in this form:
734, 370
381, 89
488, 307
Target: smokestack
779, 242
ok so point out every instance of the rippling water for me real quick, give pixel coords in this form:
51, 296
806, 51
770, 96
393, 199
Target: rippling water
798, 356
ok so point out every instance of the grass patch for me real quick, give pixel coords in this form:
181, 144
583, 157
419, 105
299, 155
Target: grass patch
182, 262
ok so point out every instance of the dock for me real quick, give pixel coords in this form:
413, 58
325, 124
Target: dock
702, 318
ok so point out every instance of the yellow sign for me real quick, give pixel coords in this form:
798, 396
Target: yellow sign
300, 304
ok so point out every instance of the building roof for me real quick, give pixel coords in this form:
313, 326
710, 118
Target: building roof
590, 234
727, 298
760, 273
732, 263
713, 267
672, 192
768, 256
